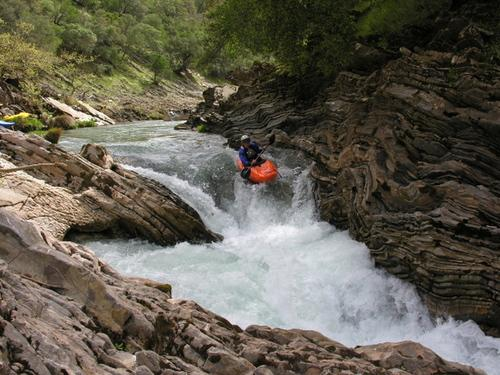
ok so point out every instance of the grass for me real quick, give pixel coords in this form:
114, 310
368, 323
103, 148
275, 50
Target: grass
41, 133
85, 124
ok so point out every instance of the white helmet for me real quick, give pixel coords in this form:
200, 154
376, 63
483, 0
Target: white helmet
245, 138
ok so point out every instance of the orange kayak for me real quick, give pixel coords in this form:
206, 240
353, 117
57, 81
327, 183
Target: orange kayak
265, 172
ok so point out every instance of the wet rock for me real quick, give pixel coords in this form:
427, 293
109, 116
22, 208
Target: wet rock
90, 193
97, 155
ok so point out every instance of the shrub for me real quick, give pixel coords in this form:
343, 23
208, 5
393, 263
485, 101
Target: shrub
70, 100
86, 123
53, 135
30, 124
201, 128
77, 38
25, 122
63, 122
386, 17
21, 60
302, 36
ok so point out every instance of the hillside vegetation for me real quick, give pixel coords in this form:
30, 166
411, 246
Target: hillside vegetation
318, 36
119, 50
110, 52
166, 35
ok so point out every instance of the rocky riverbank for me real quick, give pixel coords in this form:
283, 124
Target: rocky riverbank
63, 311
407, 158
89, 193
119, 99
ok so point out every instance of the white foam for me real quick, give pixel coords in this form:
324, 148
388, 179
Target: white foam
279, 265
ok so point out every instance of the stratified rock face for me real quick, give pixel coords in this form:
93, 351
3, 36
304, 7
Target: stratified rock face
90, 193
408, 159
62, 311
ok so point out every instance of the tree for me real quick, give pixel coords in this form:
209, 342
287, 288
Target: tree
71, 68
21, 60
302, 35
79, 39
185, 45
145, 39
159, 66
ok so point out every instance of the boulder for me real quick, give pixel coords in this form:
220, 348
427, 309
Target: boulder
97, 155
62, 121
413, 357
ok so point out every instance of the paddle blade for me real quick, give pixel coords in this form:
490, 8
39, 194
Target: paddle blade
272, 138
245, 173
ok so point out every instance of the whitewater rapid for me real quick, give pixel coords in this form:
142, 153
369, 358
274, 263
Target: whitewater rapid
278, 264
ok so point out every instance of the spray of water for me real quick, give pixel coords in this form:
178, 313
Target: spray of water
278, 264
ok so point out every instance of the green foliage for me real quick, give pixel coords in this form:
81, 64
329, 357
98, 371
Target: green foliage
159, 66
112, 32
20, 59
53, 135
120, 346
86, 123
31, 124
201, 128
73, 68
79, 39
386, 17
302, 35
26, 123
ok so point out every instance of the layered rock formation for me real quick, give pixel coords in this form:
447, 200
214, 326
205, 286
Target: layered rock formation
408, 159
90, 193
63, 311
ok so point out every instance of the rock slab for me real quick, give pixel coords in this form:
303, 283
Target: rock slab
91, 193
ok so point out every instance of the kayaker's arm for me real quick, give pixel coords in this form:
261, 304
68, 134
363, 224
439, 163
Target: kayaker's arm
256, 147
244, 158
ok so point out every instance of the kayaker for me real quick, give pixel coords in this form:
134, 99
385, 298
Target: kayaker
249, 152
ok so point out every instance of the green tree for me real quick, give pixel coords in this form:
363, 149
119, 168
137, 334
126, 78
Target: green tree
73, 68
159, 66
21, 60
302, 35
79, 39
389, 17
185, 45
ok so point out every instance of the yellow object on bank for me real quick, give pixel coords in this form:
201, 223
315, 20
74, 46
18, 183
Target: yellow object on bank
19, 116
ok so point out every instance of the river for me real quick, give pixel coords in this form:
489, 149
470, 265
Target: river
278, 265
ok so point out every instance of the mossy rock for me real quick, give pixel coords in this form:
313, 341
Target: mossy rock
63, 122
165, 288
202, 128
53, 135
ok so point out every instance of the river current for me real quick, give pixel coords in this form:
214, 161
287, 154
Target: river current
278, 265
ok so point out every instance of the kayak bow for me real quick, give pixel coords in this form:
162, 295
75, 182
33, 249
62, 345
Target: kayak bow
262, 173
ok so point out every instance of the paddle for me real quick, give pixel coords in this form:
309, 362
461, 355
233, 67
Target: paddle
272, 138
